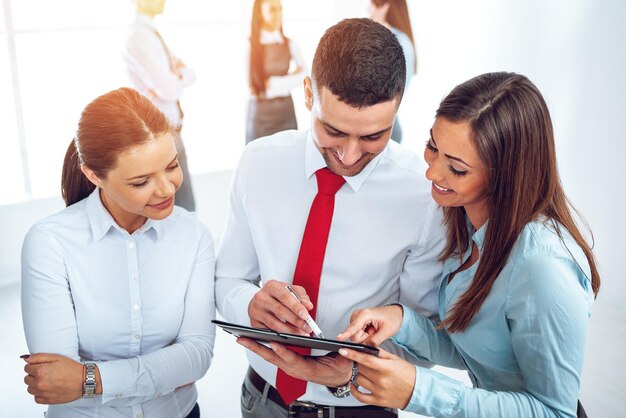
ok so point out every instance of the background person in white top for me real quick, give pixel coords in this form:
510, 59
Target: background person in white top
155, 71
121, 280
385, 235
275, 67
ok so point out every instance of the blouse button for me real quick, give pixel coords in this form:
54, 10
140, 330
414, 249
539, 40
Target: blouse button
136, 307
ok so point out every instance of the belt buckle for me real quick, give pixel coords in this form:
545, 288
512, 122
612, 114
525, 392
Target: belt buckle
299, 406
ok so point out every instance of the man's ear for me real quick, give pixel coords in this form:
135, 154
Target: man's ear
91, 175
308, 93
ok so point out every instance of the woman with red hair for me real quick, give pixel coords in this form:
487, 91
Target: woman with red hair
117, 288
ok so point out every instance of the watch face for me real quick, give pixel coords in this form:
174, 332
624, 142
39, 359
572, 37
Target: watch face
341, 391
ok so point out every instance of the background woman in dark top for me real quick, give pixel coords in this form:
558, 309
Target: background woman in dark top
275, 67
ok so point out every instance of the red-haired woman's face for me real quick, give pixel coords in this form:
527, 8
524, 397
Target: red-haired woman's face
143, 183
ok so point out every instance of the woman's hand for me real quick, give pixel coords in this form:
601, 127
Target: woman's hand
373, 325
389, 378
53, 379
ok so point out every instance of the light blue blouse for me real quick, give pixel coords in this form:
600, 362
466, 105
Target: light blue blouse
524, 348
140, 305
409, 52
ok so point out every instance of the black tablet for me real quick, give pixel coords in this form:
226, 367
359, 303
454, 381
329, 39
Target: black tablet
267, 335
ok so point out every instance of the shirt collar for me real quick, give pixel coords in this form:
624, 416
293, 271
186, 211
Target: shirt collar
101, 221
453, 263
314, 161
479, 236
274, 37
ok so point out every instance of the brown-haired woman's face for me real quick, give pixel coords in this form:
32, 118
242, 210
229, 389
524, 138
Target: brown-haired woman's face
272, 12
143, 183
456, 170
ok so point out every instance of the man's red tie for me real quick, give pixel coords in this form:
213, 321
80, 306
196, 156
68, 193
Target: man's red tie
309, 265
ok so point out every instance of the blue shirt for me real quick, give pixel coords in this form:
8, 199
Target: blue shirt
524, 348
409, 53
139, 305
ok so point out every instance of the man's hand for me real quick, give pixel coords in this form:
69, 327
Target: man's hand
274, 307
53, 379
329, 370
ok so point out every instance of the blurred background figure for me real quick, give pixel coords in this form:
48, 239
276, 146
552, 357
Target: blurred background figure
276, 66
161, 76
395, 15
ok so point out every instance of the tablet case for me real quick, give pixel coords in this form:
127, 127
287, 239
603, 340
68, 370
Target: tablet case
267, 335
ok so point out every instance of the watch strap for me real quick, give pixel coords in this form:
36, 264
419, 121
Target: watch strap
344, 390
89, 384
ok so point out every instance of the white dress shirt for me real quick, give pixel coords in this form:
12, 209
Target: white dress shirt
149, 65
384, 241
281, 85
139, 305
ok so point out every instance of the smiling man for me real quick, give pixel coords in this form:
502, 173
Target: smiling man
338, 212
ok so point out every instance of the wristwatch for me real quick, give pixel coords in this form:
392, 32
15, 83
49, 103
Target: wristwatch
89, 386
344, 391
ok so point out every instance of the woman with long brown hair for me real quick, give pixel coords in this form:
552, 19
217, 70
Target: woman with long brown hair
394, 14
519, 278
117, 288
276, 66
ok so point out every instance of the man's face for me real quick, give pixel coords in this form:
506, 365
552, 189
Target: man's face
347, 137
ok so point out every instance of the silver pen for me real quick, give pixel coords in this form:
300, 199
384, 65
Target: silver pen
316, 329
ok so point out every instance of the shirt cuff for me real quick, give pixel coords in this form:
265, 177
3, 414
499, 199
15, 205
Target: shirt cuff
406, 331
119, 378
435, 394
239, 308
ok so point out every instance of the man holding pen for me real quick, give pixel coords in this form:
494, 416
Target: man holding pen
337, 212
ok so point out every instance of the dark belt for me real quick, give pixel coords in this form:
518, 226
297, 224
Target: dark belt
311, 410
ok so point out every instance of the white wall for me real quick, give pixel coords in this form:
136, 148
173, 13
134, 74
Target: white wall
574, 50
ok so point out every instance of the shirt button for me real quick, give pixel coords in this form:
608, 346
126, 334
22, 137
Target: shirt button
119, 395
134, 275
131, 245
135, 307
136, 336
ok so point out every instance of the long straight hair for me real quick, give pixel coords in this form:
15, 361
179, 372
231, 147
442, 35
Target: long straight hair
398, 17
258, 76
512, 131
108, 126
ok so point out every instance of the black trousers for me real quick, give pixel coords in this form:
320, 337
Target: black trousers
580, 411
195, 412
